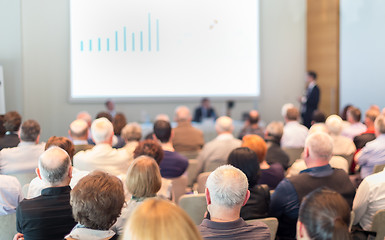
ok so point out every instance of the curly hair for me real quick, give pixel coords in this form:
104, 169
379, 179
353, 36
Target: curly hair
149, 148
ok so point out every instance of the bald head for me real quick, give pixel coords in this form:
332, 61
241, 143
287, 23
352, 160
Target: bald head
253, 117
86, 117
55, 166
182, 114
224, 124
79, 129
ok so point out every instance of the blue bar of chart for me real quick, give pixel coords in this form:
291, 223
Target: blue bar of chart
120, 41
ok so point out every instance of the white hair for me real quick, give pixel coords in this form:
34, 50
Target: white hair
318, 127
54, 164
163, 117
320, 145
379, 124
132, 132
182, 113
334, 124
101, 130
227, 186
275, 129
224, 124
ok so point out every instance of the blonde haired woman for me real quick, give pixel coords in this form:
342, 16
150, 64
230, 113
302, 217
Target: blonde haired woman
161, 220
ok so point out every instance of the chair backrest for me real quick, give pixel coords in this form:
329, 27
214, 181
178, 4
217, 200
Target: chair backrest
271, 222
195, 205
293, 153
201, 182
7, 226
378, 168
348, 158
192, 169
212, 165
189, 154
179, 186
378, 224
339, 162
24, 178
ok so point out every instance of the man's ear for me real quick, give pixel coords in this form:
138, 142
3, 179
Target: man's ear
208, 198
246, 198
70, 172
37, 170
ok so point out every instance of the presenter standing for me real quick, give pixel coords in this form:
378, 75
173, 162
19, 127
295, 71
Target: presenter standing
310, 99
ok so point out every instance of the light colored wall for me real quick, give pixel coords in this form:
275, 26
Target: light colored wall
41, 81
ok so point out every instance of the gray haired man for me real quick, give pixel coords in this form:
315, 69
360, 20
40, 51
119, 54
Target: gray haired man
226, 193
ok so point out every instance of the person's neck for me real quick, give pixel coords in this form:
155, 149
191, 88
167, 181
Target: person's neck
316, 163
222, 214
168, 147
264, 165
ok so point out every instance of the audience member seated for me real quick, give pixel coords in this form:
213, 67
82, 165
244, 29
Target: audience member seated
158, 117
86, 117
369, 135
158, 219
186, 137
119, 122
341, 145
374, 152
258, 204
152, 149
294, 133
24, 157
275, 154
79, 134
96, 203
37, 184
173, 164
226, 193
48, 216
10, 194
355, 127
370, 198
204, 111
251, 125
12, 122
143, 181
131, 133
289, 193
272, 174
2, 128
318, 117
217, 151
323, 215
102, 156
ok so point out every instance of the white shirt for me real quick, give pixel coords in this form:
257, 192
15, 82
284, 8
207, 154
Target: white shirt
353, 130
10, 194
103, 157
370, 198
294, 135
21, 159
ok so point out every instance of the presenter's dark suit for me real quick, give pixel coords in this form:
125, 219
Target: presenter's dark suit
199, 116
310, 105
48, 216
9, 140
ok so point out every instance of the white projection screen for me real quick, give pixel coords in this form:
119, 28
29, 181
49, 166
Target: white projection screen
169, 49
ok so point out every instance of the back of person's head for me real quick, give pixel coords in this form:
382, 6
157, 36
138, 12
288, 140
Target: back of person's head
344, 112
119, 122
162, 131
182, 114
143, 177
12, 121
285, 107
312, 74
157, 219
163, 117
256, 144
320, 146
63, 143
372, 114
79, 129
253, 117
54, 165
86, 117
224, 124
353, 114
334, 124
97, 200
325, 215
132, 132
29, 131
318, 127
246, 160
149, 148
318, 117
227, 186
104, 115
379, 124
274, 131
102, 130
292, 114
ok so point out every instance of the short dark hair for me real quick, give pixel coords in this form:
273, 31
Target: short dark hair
312, 74
149, 148
325, 215
355, 113
119, 122
30, 130
105, 115
246, 160
97, 200
318, 117
12, 121
162, 130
